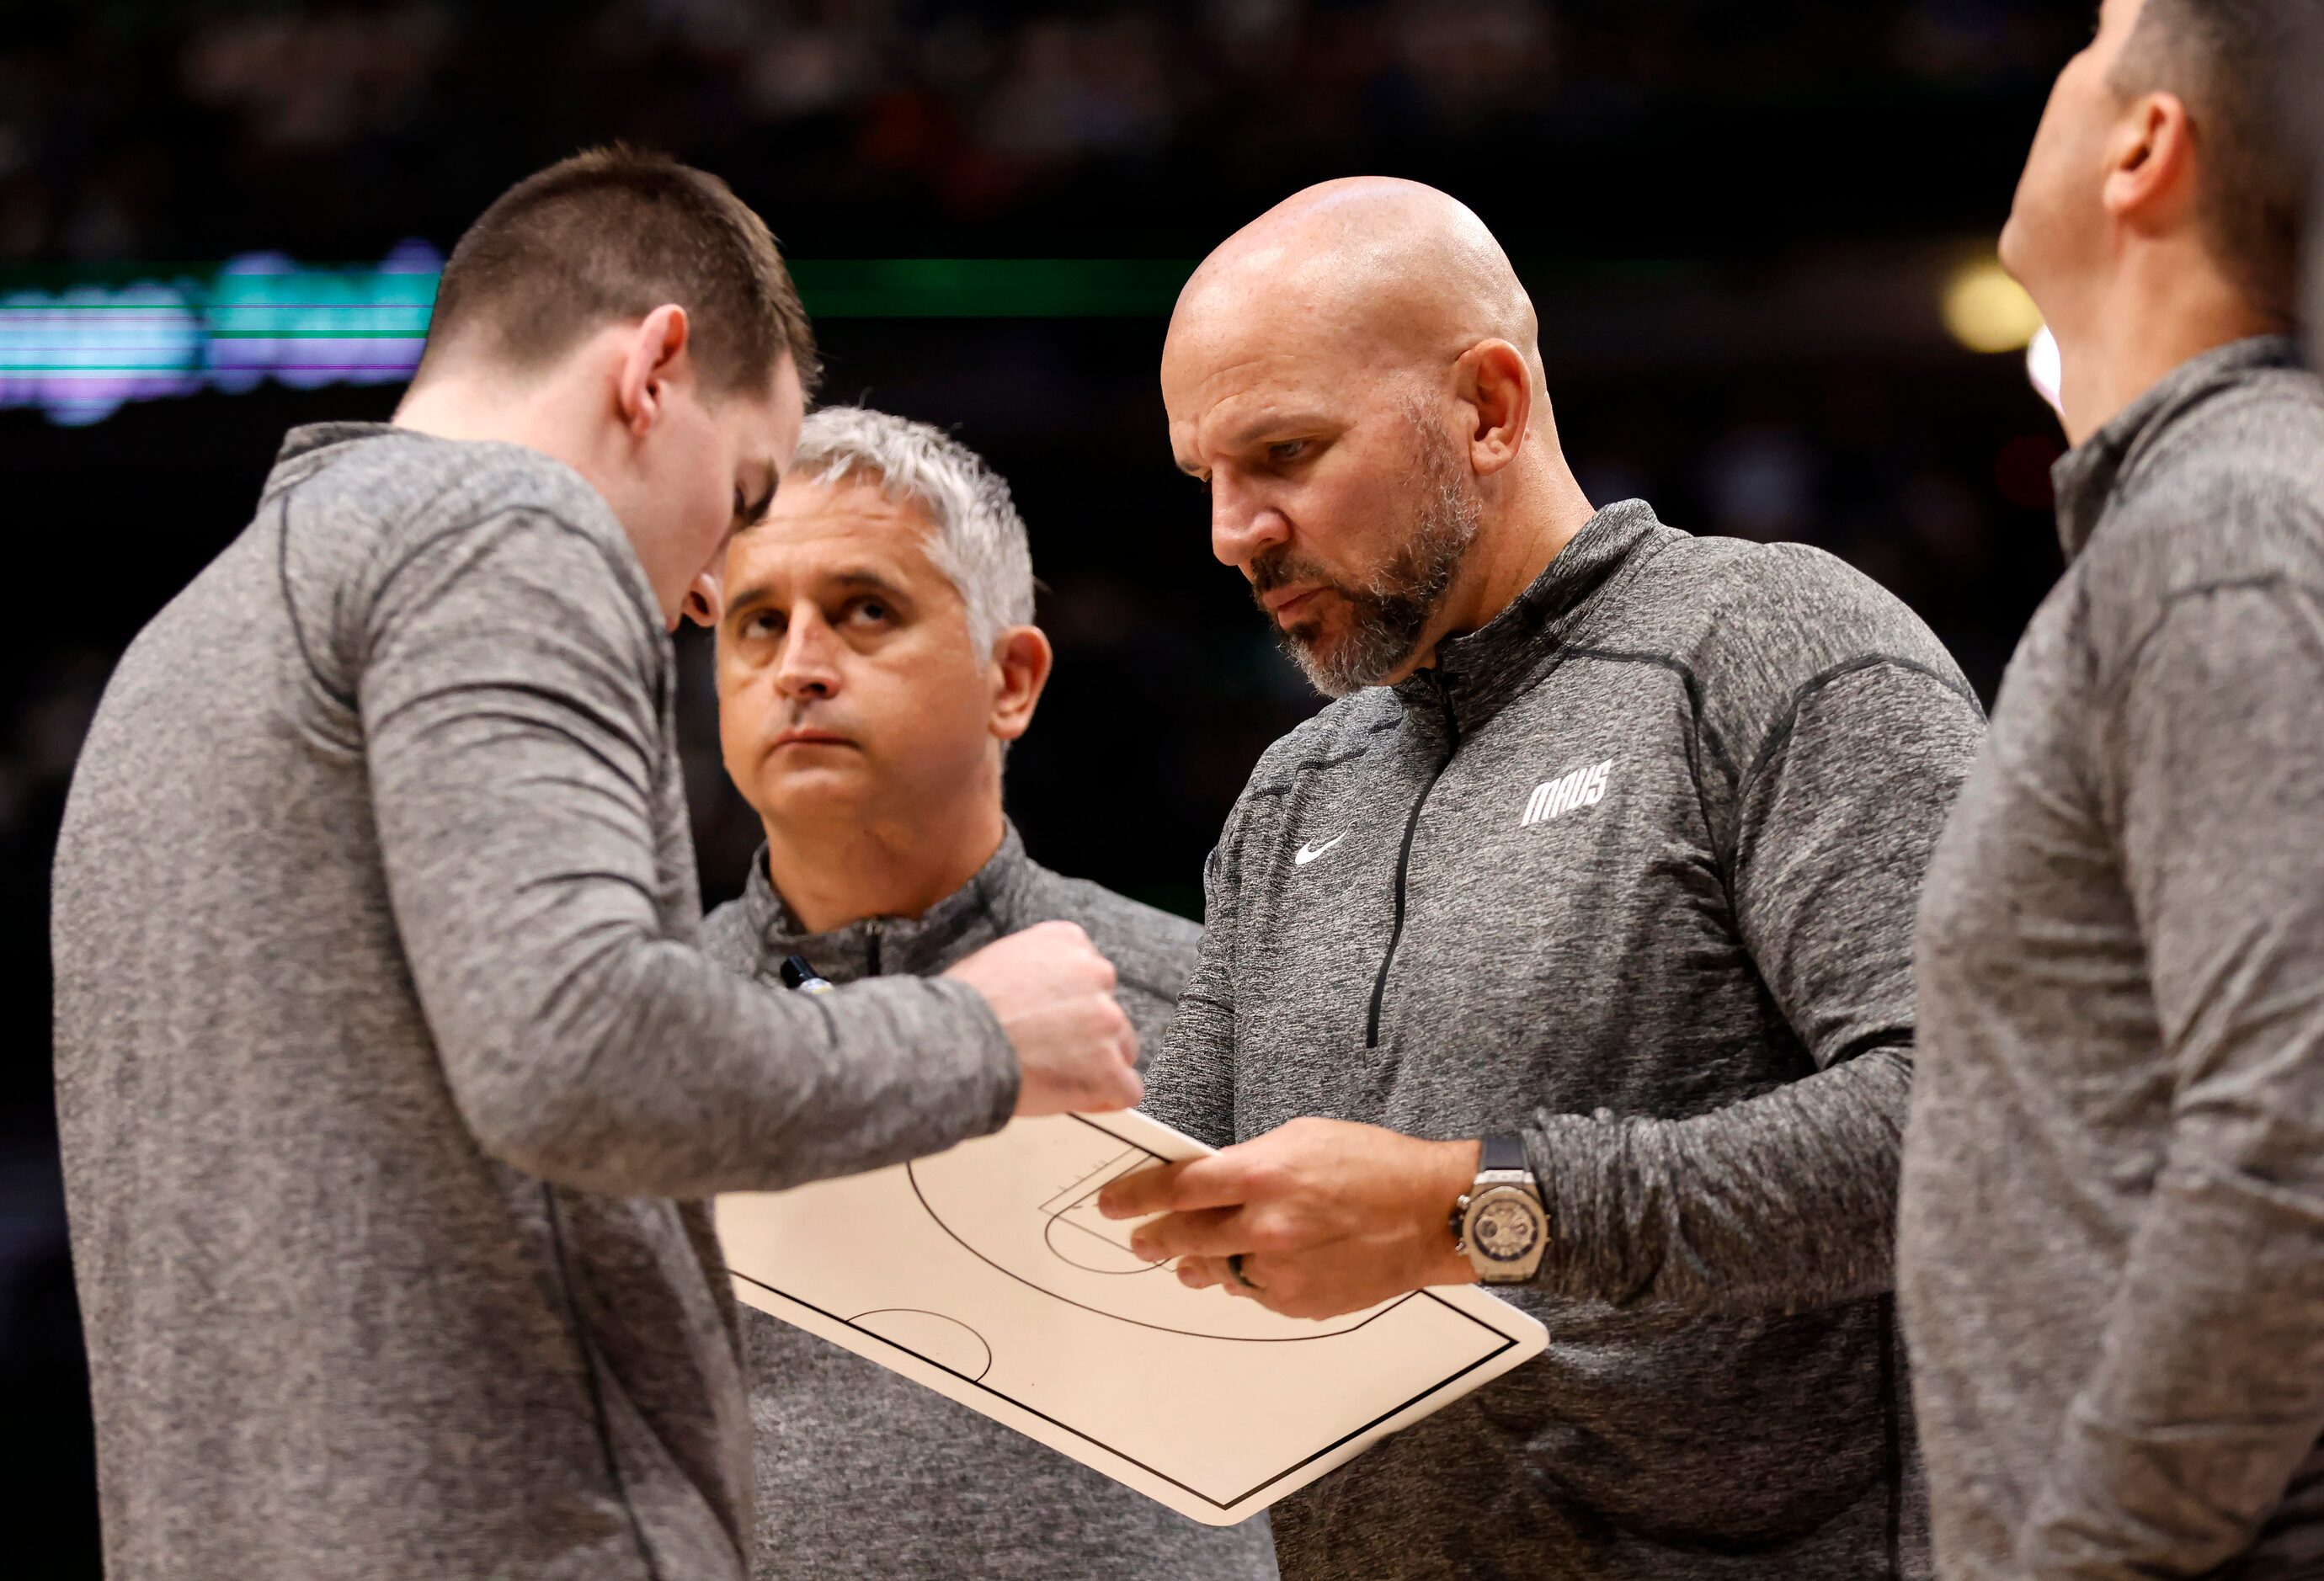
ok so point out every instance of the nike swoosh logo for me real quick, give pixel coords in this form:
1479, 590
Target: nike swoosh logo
1308, 853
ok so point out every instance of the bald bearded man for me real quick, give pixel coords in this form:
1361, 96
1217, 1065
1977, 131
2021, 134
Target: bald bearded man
1570, 949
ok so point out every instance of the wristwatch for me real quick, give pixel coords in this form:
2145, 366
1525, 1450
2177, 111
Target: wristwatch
1499, 1224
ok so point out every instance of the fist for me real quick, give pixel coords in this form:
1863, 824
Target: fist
1053, 994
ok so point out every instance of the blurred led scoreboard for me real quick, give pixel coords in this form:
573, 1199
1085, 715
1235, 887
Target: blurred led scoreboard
79, 344
80, 353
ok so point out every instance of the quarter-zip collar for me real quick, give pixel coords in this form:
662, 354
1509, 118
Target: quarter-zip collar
1478, 671
2087, 477
1475, 674
309, 438
963, 922
310, 445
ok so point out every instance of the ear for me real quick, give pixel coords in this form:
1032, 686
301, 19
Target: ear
1497, 383
655, 352
2149, 170
1022, 657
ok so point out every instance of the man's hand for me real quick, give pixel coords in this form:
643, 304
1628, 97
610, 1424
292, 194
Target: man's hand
1328, 1217
1076, 1052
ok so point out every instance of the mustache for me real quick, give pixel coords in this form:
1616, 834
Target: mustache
1280, 568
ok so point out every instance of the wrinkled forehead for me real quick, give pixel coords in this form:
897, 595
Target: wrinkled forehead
1248, 398
1230, 365
817, 529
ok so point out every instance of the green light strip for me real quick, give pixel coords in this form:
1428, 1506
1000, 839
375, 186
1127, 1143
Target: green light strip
990, 287
832, 288
80, 340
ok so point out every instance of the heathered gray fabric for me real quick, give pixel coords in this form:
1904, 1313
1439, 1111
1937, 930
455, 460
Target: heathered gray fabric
864, 1474
2112, 1251
1692, 996
382, 1039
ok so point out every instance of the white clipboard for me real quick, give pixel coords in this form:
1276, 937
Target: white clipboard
987, 1274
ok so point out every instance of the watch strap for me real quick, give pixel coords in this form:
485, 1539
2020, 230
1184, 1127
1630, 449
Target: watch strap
1502, 1153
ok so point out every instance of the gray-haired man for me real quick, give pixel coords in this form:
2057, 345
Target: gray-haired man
875, 653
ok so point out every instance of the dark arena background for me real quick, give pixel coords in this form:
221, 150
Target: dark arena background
1760, 238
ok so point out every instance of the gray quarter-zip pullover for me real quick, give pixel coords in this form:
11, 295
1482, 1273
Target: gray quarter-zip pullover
383, 1043
2112, 1251
864, 1475
1631, 872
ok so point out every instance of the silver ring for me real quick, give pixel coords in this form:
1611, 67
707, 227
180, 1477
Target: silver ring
1234, 1266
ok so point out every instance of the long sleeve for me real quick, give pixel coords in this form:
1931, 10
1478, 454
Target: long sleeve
507, 687
2208, 1388
1190, 1079
1786, 1200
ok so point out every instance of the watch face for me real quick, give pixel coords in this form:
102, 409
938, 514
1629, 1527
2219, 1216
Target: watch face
1505, 1228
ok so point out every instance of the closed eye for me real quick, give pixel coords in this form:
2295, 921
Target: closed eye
749, 512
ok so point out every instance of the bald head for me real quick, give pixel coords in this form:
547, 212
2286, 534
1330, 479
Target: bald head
1401, 274
1354, 374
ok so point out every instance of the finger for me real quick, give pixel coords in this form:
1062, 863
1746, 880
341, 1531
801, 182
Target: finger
1109, 1081
1202, 1273
1245, 1278
1277, 1284
1216, 1180
1145, 1192
1118, 1089
1211, 1233
1088, 957
1215, 1273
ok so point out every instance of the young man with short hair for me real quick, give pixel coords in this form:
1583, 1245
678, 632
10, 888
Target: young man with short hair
2112, 1245
387, 1061
876, 654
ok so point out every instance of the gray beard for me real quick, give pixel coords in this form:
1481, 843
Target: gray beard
1388, 616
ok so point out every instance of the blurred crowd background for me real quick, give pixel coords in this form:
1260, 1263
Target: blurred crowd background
1743, 225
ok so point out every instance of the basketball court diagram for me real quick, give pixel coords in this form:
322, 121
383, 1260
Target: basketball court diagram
1079, 1256
988, 1274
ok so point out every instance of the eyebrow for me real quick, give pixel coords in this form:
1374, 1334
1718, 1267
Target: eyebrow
858, 579
870, 580
1277, 422
1273, 422
749, 599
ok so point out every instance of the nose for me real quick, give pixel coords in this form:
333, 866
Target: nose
810, 661
704, 599
1242, 527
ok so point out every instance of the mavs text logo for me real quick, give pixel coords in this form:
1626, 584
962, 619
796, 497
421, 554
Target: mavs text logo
1584, 787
